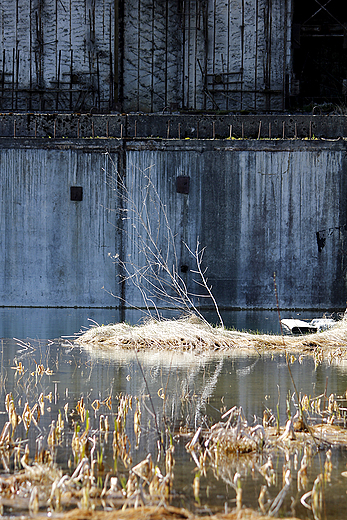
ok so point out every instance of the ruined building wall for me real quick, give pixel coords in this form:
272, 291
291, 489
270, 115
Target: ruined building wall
206, 54
236, 54
57, 55
152, 75
144, 55
160, 55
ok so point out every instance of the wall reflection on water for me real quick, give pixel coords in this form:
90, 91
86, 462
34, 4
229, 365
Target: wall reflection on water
198, 390
49, 323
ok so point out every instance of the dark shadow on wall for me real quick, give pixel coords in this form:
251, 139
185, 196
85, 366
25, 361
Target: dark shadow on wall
319, 43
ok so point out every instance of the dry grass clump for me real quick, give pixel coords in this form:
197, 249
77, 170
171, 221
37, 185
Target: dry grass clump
233, 436
185, 334
191, 334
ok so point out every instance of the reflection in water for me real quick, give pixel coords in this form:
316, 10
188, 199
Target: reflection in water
186, 392
50, 323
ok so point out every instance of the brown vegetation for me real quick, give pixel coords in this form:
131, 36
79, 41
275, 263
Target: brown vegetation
191, 334
160, 513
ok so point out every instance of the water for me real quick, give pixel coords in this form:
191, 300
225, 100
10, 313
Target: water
38, 323
198, 391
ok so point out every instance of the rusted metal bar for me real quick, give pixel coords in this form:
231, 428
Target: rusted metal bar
111, 99
116, 50
242, 48
152, 55
111, 103
267, 71
13, 59
3, 76
17, 77
71, 77
256, 54
16, 56
259, 129
284, 57
58, 81
98, 78
166, 52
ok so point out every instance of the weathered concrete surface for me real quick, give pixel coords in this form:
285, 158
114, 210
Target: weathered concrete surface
220, 54
148, 55
173, 126
57, 55
258, 207
54, 252
144, 55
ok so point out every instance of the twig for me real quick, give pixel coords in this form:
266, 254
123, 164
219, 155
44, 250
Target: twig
155, 273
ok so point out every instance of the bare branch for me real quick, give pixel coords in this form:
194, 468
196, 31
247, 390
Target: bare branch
152, 267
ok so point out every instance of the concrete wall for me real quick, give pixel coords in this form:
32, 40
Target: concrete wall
236, 54
54, 252
152, 55
257, 206
148, 55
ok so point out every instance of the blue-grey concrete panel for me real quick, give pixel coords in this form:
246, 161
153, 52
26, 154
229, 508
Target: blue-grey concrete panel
257, 212
54, 251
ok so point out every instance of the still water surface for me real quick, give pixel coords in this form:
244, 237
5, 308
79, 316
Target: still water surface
38, 323
198, 389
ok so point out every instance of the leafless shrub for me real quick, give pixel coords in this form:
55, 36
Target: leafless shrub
153, 266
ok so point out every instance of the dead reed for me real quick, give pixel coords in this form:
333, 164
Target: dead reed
162, 513
232, 448
37, 483
32, 481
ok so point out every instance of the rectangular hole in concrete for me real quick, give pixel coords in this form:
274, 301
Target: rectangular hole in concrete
76, 193
182, 184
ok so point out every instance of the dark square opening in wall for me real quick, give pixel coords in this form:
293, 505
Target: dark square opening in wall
76, 193
182, 184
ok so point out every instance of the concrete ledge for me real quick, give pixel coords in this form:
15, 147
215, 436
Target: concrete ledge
116, 145
172, 126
